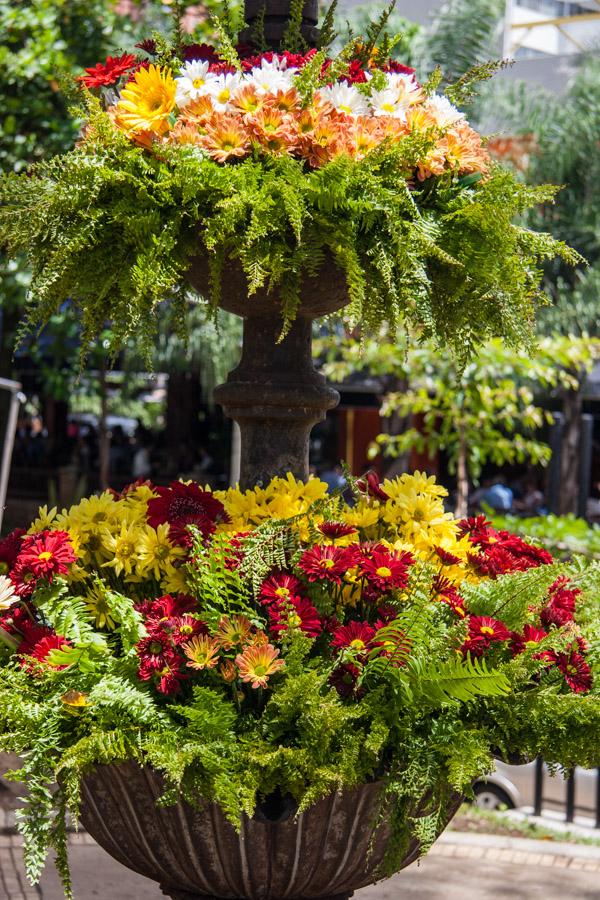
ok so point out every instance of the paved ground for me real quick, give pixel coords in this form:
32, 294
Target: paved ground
460, 867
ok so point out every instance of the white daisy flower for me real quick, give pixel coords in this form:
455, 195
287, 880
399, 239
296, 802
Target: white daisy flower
388, 103
409, 92
346, 98
8, 595
444, 113
191, 82
221, 88
268, 79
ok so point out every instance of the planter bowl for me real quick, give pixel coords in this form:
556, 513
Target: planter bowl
326, 293
330, 850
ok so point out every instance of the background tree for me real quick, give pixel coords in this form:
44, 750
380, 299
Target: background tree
487, 413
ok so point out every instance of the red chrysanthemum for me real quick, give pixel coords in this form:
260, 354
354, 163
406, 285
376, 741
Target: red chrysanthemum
484, 631
355, 636
42, 555
166, 607
448, 559
370, 485
250, 60
10, 547
169, 679
280, 586
344, 679
38, 644
148, 46
108, 72
327, 563
185, 504
561, 608
17, 620
500, 551
577, 672
295, 613
184, 628
446, 593
335, 530
398, 68
155, 652
475, 526
528, 640
356, 74
384, 570
386, 614
200, 51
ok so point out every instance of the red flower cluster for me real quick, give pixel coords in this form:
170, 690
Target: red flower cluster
445, 592
169, 625
334, 530
185, 504
561, 607
288, 605
42, 555
500, 551
530, 638
370, 486
250, 60
107, 73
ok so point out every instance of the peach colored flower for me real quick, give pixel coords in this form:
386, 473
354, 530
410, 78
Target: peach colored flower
198, 112
258, 663
247, 100
202, 652
287, 101
273, 131
465, 150
234, 631
226, 138
184, 133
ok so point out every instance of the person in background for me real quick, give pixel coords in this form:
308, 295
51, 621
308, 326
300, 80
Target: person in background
494, 493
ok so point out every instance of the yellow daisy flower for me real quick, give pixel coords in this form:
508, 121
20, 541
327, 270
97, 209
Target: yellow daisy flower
97, 602
123, 546
147, 102
44, 521
156, 554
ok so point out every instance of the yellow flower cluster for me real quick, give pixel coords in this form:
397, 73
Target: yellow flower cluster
283, 498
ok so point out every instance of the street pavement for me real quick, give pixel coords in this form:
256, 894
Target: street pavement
460, 867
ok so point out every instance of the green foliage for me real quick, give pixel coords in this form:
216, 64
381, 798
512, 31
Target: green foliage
460, 681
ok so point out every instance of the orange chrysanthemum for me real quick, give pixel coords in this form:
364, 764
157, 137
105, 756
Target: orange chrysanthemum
258, 663
247, 100
234, 631
147, 102
202, 653
197, 112
465, 150
226, 138
273, 130
184, 133
286, 101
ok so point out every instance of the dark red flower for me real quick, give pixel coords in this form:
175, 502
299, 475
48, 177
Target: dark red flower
17, 620
155, 652
10, 547
344, 678
474, 525
280, 586
355, 636
296, 613
147, 45
335, 530
577, 672
387, 613
484, 631
385, 570
166, 607
356, 73
398, 68
108, 72
38, 645
168, 680
185, 504
370, 486
448, 559
561, 608
200, 51
42, 555
528, 640
449, 595
292, 60
183, 628
330, 623
327, 563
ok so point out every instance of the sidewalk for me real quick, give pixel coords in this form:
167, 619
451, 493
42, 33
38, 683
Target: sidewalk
460, 867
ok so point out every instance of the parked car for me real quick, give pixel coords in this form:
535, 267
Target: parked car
514, 786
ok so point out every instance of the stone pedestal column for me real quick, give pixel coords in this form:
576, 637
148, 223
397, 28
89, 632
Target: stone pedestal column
275, 394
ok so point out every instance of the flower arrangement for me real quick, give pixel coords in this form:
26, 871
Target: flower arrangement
276, 161
284, 638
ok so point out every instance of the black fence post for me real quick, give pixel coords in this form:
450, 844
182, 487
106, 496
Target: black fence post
538, 786
585, 464
570, 811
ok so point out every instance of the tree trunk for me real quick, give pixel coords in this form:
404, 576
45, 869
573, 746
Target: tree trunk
462, 478
570, 452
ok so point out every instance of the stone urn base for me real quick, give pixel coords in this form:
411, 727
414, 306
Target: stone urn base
329, 851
